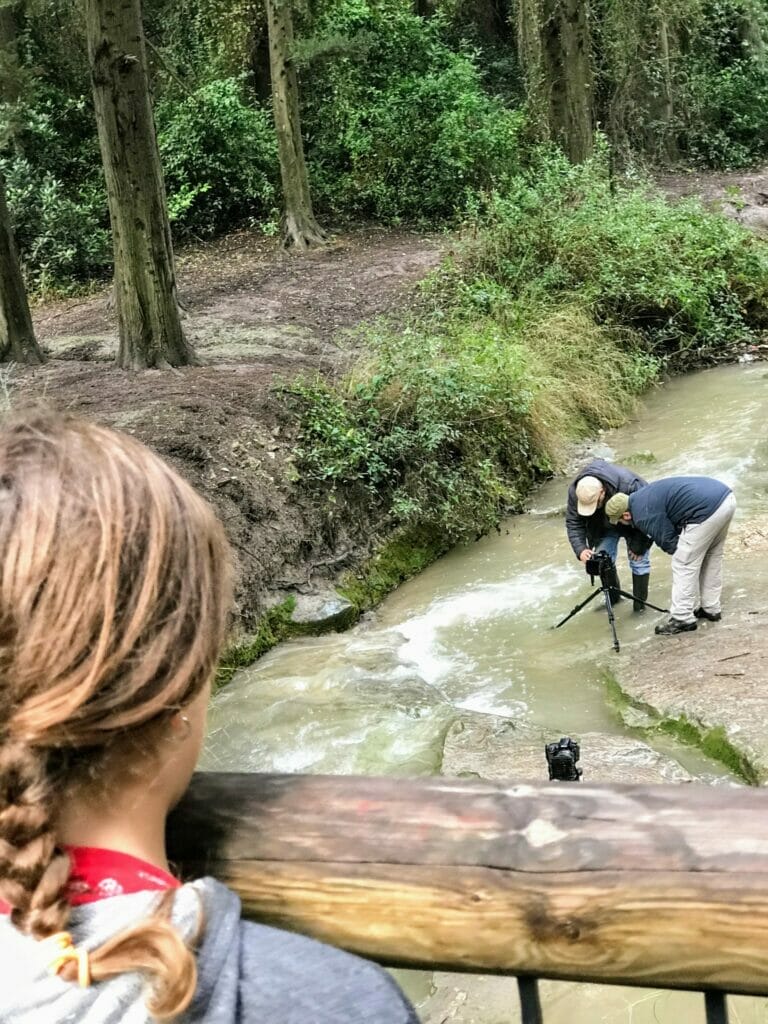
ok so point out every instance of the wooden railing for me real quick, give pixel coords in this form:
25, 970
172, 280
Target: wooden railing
662, 886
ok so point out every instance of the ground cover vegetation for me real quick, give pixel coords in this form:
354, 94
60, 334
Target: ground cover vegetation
524, 121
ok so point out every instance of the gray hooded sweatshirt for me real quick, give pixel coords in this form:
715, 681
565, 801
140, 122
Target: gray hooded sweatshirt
248, 973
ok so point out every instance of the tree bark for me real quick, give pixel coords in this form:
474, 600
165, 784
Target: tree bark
752, 32
300, 227
666, 104
145, 280
17, 337
662, 886
13, 77
555, 48
9, 84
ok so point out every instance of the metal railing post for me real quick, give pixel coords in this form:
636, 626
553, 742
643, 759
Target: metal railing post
716, 1007
530, 1004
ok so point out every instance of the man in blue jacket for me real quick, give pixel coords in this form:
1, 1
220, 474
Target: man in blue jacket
688, 517
589, 530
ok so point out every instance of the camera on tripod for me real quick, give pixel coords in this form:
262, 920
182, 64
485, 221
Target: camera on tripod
561, 760
600, 564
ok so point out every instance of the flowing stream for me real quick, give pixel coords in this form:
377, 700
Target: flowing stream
473, 633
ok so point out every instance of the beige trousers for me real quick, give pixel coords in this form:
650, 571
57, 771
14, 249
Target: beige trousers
697, 579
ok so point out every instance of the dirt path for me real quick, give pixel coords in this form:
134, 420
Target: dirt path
741, 195
245, 298
257, 316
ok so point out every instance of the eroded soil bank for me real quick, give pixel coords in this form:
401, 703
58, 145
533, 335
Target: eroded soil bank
257, 316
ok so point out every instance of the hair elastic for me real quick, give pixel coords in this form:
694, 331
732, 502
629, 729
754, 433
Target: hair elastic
68, 952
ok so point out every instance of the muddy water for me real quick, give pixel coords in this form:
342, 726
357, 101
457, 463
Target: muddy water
474, 633
475, 630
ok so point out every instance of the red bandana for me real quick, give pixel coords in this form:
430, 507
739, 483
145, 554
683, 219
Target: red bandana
98, 874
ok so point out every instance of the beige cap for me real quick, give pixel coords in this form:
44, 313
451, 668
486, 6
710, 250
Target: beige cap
588, 491
616, 507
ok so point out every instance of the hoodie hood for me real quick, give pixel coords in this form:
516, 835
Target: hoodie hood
30, 994
247, 973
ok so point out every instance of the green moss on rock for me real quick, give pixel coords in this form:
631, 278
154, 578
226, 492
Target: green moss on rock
712, 741
403, 556
273, 627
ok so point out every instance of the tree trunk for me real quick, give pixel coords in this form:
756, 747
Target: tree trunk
752, 32
145, 280
9, 84
300, 227
555, 46
666, 106
13, 78
17, 337
491, 19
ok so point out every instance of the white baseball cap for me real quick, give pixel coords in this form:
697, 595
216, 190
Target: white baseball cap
588, 491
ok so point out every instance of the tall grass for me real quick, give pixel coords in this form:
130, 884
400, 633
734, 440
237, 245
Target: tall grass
449, 430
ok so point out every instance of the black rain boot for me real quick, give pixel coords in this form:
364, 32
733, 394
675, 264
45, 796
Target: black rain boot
640, 591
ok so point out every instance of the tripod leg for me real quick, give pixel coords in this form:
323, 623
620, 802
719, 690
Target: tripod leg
646, 603
578, 608
611, 618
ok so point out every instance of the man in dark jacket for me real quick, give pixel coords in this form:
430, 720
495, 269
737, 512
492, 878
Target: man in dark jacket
588, 528
688, 517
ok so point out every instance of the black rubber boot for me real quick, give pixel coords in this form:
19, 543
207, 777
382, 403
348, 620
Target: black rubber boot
640, 591
709, 616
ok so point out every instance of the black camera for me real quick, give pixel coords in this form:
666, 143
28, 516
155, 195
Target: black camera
561, 760
598, 564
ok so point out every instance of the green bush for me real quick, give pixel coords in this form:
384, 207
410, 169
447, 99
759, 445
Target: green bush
679, 276
723, 113
56, 191
728, 124
59, 229
219, 156
450, 429
400, 127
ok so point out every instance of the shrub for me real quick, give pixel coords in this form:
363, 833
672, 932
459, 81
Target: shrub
219, 156
728, 126
450, 429
724, 111
56, 192
59, 230
678, 275
400, 127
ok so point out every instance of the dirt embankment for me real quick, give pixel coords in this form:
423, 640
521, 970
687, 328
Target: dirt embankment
257, 316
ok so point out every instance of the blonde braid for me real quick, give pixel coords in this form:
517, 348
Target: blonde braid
32, 873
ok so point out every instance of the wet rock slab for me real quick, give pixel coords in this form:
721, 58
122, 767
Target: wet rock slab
714, 680
322, 612
497, 748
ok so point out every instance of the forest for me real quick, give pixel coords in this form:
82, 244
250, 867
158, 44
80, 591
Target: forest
408, 114
528, 132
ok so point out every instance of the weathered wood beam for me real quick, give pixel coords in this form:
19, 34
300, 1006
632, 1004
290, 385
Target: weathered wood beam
651, 885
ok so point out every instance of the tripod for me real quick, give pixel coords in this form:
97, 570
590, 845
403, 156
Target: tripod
606, 590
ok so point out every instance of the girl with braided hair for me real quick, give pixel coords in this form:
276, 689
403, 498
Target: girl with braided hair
115, 589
